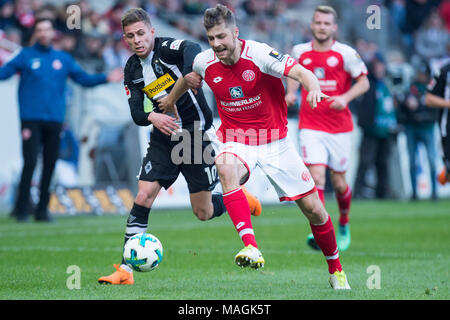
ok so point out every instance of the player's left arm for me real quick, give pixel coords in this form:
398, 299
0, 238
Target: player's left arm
355, 67
360, 87
309, 81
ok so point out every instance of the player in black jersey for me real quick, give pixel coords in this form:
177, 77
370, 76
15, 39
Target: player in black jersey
181, 138
438, 96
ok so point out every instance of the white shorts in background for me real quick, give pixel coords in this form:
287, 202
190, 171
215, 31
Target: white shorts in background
326, 149
280, 162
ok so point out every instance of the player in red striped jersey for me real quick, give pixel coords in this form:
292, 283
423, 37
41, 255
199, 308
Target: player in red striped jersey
245, 77
325, 132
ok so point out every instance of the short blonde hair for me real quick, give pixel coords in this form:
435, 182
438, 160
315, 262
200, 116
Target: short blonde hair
326, 10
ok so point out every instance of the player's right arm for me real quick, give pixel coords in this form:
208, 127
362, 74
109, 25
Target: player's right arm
12, 66
291, 91
309, 81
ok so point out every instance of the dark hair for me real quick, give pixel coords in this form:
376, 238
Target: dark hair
39, 20
217, 15
135, 15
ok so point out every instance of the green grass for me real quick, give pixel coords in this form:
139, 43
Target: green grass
409, 242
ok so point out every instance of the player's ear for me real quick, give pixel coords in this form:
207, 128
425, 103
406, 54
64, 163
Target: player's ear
236, 32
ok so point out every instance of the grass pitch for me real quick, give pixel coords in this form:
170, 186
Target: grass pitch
406, 244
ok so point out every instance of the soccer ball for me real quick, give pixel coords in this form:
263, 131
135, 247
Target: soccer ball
143, 252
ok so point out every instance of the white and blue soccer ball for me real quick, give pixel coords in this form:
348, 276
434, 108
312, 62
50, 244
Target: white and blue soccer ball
143, 252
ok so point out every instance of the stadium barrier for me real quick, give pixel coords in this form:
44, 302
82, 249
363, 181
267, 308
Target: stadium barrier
90, 110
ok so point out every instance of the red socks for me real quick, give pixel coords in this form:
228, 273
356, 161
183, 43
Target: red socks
344, 200
239, 212
326, 240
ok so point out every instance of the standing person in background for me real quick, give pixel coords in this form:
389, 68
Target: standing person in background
419, 121
43, 74
326, 132
438, 96
378, 121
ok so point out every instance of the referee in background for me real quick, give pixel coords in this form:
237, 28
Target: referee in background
43, 73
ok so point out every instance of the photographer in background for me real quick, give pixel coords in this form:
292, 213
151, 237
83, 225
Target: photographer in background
377, 119
419, 121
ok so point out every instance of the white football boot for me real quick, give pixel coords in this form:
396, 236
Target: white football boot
338, 281
249, 256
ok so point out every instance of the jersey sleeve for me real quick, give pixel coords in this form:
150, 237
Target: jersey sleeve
353, 63
180, 52
438, 83
201, 62
135, 98
270, 61
77, 74
14, 65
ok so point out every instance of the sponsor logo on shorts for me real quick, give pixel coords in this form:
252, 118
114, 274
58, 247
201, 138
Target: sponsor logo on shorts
148, 167
306, 176
127, 91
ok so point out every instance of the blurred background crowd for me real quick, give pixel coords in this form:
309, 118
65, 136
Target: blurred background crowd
410, 44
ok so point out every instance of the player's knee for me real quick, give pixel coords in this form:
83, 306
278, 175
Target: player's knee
202, 213
227, 174
318, 175
144, 197
313, 209
339, 183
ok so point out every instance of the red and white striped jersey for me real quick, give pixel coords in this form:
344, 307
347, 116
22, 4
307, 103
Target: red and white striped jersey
335, 70
249, 94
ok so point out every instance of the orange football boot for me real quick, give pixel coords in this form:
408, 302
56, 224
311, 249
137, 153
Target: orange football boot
120, 276
253, 202
443, 177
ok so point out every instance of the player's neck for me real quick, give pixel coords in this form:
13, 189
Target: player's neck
322, 45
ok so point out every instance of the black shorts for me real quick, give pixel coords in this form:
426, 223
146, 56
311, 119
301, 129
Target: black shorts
188, 153
446, 150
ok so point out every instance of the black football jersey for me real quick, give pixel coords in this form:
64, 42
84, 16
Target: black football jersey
155, 77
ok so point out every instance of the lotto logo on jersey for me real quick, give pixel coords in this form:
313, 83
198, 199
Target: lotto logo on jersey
159, 85
236, 92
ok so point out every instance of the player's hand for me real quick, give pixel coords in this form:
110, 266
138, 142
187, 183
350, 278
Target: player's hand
167, 106
194, 81
165, 123
290, 98
115, 75
338, 102
314, 97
